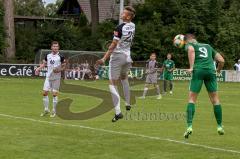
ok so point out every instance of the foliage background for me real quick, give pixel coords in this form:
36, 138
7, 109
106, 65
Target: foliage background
2, 44
216, 22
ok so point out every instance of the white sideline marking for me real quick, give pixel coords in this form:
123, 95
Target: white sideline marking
124, 133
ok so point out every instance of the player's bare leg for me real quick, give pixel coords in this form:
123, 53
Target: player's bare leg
214, 98
126, 91
192, 98
116, 99
83, 74
45, 103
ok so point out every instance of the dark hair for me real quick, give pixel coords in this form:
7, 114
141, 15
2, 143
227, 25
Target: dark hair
222, 54
131, 11
54, 42
189, 36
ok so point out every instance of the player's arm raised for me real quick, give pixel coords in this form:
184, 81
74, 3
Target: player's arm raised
40, 67
191, 58
109, 52
219, 58
117, 34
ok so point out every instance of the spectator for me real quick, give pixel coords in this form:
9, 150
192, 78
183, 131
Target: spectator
237, 66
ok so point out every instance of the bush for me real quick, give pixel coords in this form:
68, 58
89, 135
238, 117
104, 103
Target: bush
157, 22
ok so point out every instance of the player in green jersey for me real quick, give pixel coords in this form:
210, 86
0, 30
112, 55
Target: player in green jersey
201, 60
168, 67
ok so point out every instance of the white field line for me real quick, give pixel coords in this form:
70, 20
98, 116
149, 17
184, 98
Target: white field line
123, 133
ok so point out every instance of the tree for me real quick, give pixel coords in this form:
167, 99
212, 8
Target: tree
29, 7
216, 22
2, 37
51, 8
94, 15
9, 28
228, 33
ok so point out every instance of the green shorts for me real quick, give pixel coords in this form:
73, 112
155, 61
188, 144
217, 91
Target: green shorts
168, 76
207, 76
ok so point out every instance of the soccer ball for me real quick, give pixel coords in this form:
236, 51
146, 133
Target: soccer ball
178, 41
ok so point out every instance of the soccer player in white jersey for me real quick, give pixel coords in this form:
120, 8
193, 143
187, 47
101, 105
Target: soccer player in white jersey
120, 60
55, 64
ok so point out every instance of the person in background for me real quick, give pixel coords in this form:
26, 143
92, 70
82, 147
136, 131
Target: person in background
237, 66
168, 67
151, 79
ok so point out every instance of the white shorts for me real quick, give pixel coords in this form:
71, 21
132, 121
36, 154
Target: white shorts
118, 66
151, 78
51, 85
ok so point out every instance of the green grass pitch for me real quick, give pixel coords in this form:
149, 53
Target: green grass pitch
26, 135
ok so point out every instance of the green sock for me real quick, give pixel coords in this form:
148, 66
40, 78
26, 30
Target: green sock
190, 113
218, 114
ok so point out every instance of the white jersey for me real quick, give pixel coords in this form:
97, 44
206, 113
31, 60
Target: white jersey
124, 33
237, 66
85, 66
53, 61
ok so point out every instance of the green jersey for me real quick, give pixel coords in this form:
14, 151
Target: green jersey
204, 56
168, 64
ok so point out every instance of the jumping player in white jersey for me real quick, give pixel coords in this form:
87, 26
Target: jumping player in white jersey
55, 64
120, 60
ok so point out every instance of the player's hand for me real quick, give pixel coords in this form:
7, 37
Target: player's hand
100, 62
57, 70
37, 71
189, 71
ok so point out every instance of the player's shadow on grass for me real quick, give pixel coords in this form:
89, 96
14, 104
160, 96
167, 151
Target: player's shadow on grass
63, 107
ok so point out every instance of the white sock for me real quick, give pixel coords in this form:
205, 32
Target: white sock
158, 89
45, 102
115, 98
55, 100
126, 91
74, 74
145, 91
83, 75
